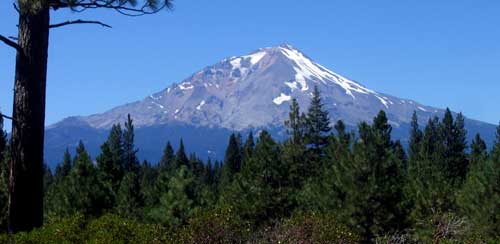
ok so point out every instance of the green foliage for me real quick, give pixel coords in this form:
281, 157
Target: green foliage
309, 228
57, 230
106, 229
480, 197
314, 187
219, 225
232, 161
259, 193
178, 202
317, 131
114, 229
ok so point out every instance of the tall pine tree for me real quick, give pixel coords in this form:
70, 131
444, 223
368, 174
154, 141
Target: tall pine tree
317, 131
232, 161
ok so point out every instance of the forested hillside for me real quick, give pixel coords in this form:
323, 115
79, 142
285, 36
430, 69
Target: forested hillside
321, 185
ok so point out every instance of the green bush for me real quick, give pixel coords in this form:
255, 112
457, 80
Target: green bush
58, 230
213, 226
114, 229
308, 228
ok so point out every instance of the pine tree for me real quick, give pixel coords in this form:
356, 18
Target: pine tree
249, 146
166, 169
318, 124
415, 139
83, 189
370, 187
63, 169
429, 190
480, 194
181, 157
129, 196
495, 152
259, 193
131, 163
479, 152
167, 160
208, 173
454, 144
149, 177
232, 161
294, 147
26, 204
178, 202
110, 161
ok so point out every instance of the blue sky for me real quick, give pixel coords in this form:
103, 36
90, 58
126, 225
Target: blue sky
440, 53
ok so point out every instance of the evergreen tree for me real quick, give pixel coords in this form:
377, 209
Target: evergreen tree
495, 152
478, 199
178, 202
149, 176
110, 162
415, 139
181, 157
129, 196
454, 144
63, 169
259, 193
249, 145
370, 188
479, 152
131, 163
318, 124
168, 158
428, 188
80, 191
48, 178
294, 147
232, 161
209, 173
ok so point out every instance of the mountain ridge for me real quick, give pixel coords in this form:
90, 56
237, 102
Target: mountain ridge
252, 92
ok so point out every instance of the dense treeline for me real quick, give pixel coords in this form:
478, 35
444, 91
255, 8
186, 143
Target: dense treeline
321, 184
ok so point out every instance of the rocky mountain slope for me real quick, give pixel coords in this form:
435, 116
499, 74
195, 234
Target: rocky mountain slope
241, 93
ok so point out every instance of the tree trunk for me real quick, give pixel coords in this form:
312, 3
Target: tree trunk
26, 165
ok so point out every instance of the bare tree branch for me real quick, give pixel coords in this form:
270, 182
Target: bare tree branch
16, 7
123, 7
5, 116
13, 38
79, 21
11, 43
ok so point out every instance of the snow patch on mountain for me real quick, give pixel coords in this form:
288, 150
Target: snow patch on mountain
306, 69
282, 98
200, 105
186, 86
256, 57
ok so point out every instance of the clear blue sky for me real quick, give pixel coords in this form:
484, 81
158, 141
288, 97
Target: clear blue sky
441, 53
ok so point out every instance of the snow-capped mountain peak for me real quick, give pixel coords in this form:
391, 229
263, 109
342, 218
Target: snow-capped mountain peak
255, 90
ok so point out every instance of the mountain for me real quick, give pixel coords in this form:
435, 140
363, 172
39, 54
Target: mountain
243, 93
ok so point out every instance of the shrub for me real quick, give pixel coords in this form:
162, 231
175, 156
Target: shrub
58, 230
309, 228
213, 226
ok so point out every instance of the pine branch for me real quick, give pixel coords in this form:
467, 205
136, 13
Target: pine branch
118, 5
79, 21
16, 8
11, 43
7, 117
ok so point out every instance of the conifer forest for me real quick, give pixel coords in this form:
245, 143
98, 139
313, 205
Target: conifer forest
322, 184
